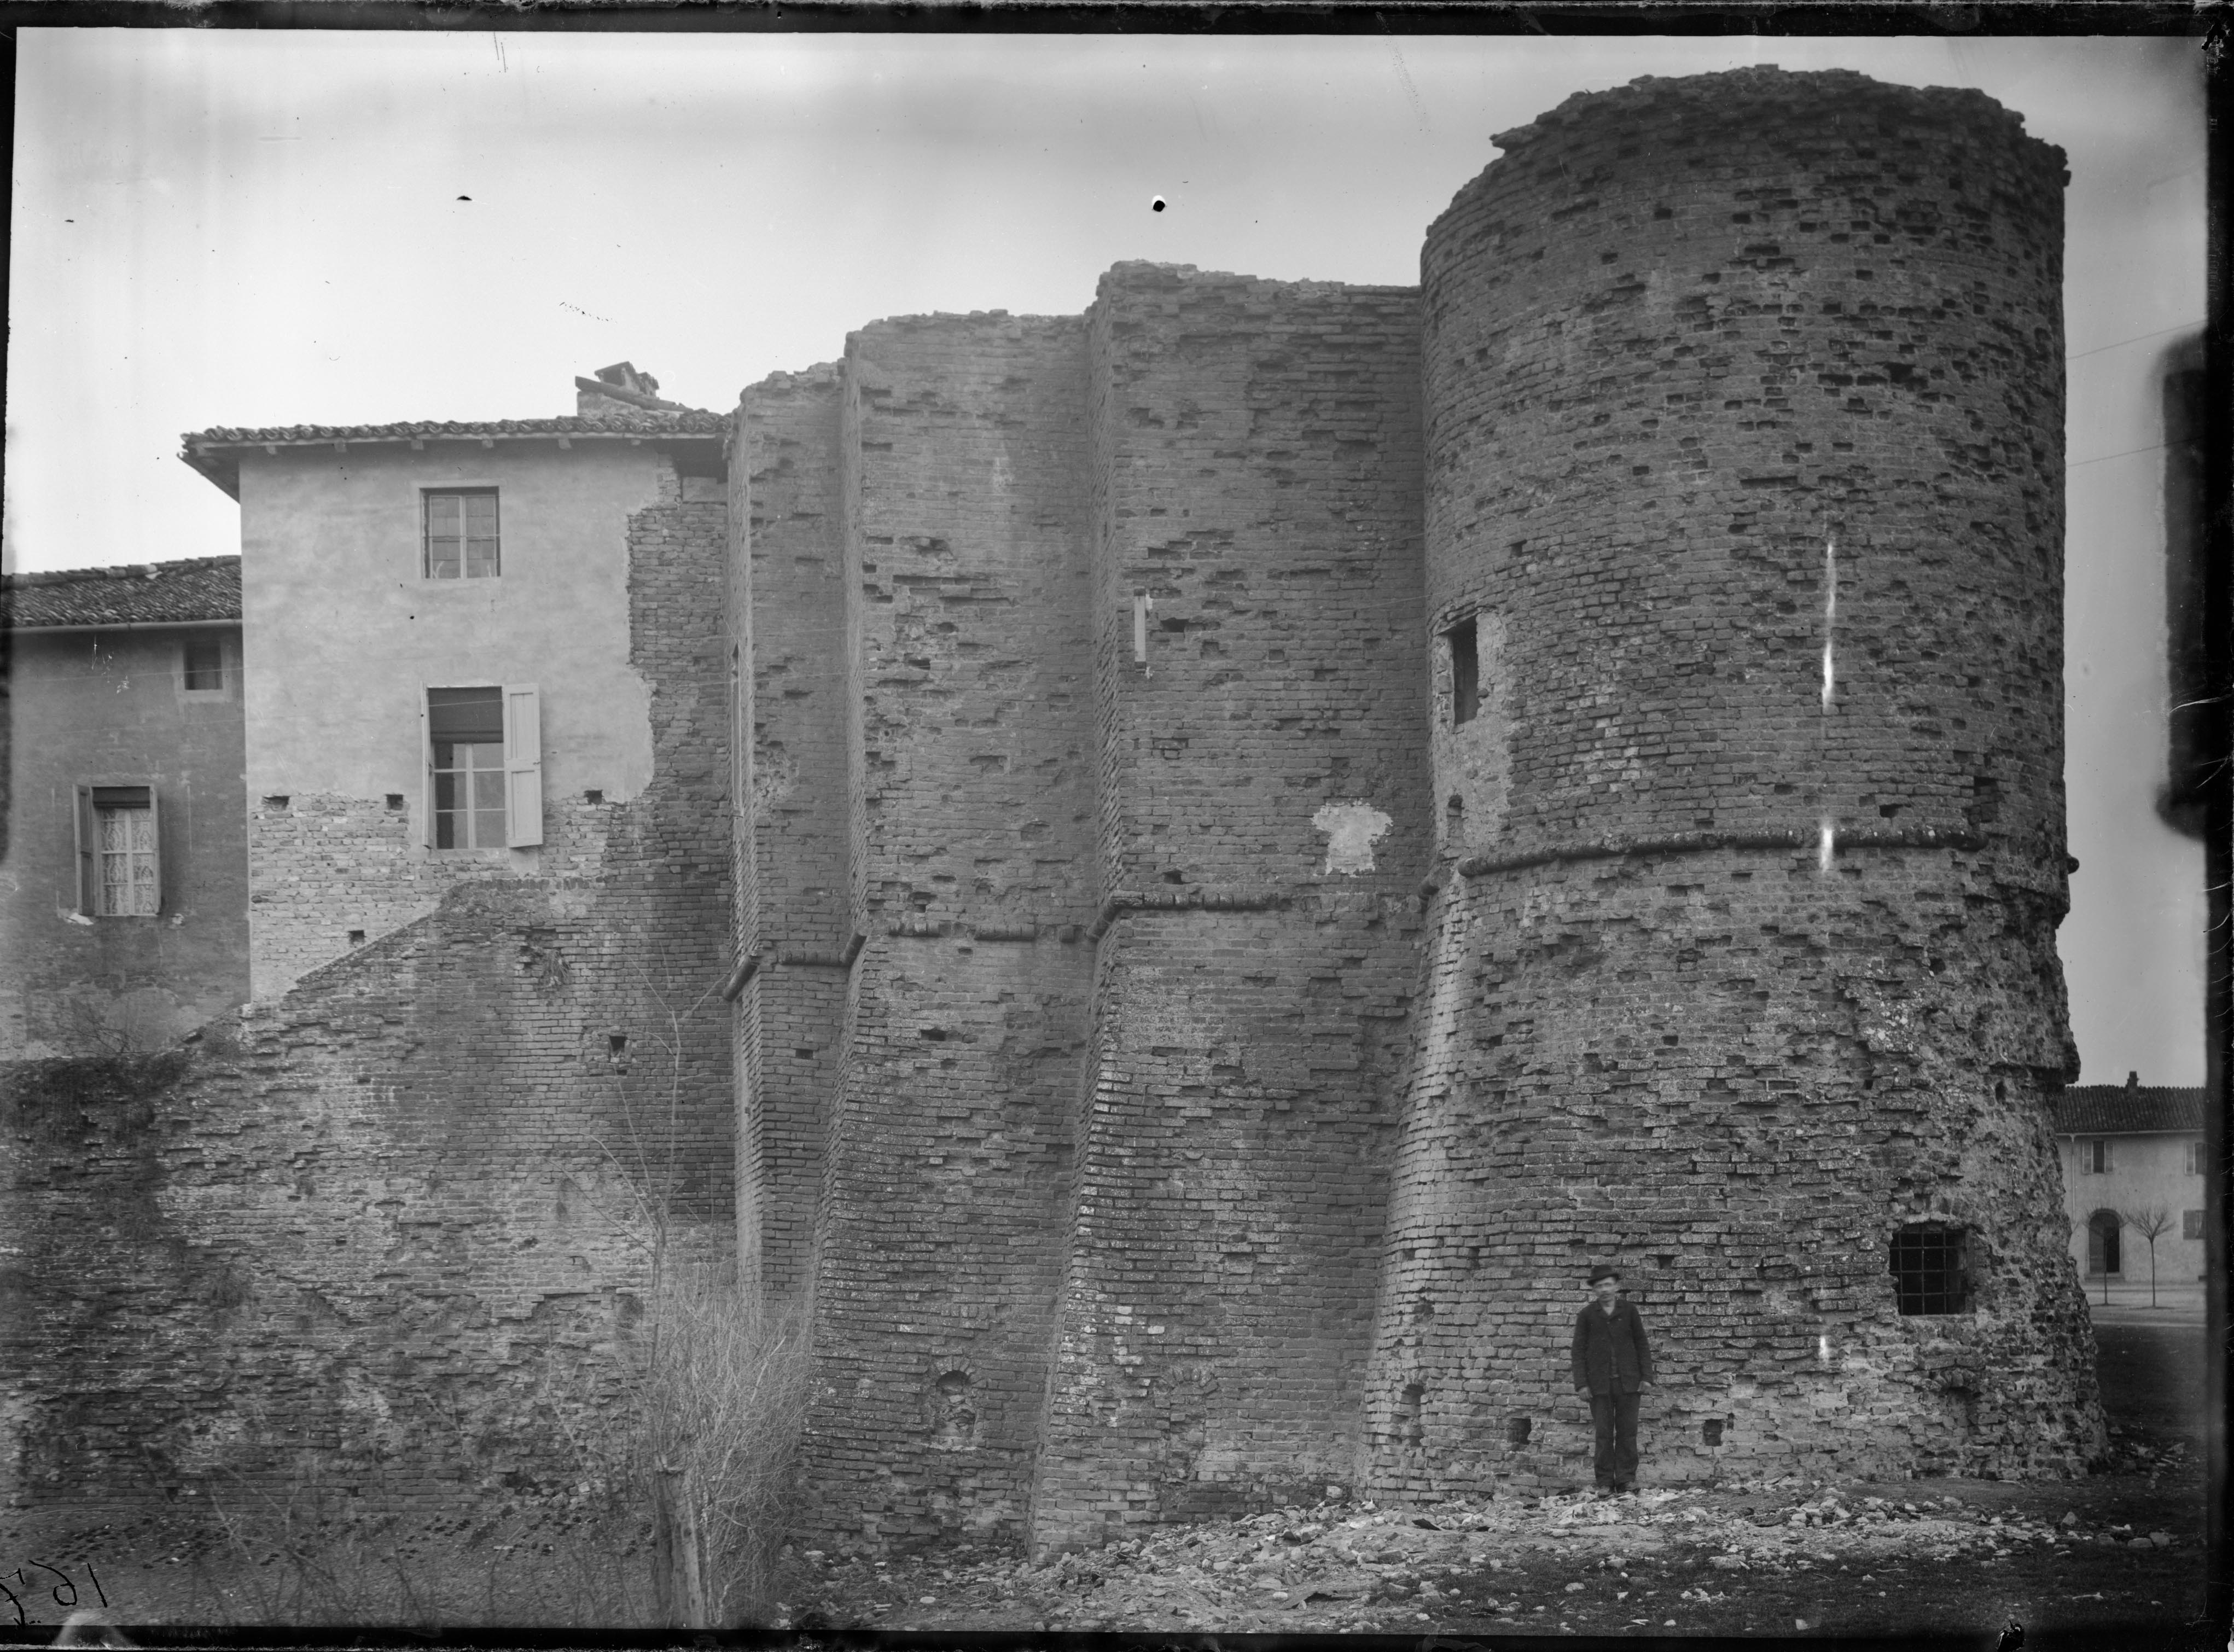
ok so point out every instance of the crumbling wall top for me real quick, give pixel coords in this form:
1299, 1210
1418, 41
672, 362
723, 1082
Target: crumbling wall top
1654, 98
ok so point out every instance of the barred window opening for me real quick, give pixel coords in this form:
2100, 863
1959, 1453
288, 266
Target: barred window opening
1930, 1269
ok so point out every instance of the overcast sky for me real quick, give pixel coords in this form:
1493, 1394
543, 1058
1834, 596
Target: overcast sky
282, 227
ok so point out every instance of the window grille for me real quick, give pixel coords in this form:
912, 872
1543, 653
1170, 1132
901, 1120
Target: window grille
1930, 1269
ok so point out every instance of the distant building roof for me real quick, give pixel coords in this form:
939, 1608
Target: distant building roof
148, 594
215, 452
2129, 1109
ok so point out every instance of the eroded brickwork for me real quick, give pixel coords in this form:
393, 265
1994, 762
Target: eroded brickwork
790, 567
1249, 837
388, 1235
1262, 790
1742, 397
936, 1261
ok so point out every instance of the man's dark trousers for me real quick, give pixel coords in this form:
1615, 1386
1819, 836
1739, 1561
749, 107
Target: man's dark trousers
1615, 1417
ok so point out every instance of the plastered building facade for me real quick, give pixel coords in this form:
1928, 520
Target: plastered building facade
123, 875
1190, 868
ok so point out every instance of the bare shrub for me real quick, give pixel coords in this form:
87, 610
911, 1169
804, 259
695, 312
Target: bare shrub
722, 1382
725, 1396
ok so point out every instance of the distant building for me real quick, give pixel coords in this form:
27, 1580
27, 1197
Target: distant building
2128, 1149
124, 876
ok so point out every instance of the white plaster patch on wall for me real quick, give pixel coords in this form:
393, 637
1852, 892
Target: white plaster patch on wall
775, 776
1352, 829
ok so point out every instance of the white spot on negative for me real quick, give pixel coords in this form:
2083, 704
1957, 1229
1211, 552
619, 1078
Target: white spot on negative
1352, 829
1830, 612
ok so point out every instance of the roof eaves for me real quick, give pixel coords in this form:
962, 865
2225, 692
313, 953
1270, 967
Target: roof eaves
215, 452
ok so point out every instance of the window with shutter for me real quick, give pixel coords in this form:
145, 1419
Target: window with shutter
484, 767
465, 746
522, 766
120, 871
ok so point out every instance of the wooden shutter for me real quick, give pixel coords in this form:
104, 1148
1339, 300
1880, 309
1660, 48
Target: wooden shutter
155, 835
426, 773
523, 766
89, 850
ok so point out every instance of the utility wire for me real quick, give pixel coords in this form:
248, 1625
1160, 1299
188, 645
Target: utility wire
2128, 454
2137, 339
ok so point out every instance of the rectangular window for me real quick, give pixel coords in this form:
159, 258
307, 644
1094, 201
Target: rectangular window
1466, 673
484, 767
460, 533
2190, 1225
119, 860
204, 664
1930, 1269
467, 727
2196, 1155
2096, 1155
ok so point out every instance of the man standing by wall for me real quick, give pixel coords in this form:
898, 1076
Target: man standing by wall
1613, 1364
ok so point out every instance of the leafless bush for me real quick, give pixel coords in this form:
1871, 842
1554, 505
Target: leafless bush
725, 1396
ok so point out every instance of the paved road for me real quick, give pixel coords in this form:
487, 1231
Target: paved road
2131, 1303
2153, 1374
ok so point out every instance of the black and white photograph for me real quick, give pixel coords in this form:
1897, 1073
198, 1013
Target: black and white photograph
1389, 825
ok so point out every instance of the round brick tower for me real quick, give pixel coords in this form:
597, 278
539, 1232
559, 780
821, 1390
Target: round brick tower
1744, 400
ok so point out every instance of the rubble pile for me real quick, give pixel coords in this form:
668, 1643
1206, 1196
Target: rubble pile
1523, 1560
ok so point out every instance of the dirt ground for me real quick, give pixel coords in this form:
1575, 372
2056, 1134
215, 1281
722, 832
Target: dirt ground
2068, 1560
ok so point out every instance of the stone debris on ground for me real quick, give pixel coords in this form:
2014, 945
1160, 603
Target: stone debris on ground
1347, 1564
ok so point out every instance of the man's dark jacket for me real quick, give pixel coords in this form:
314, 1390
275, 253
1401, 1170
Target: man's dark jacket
1610, 1354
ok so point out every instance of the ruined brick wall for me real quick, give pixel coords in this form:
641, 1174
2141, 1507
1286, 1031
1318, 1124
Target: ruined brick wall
390, 1234
971, 879
338, 787
1696, 350
112, 708
1588, 787
1263, 798
790, 557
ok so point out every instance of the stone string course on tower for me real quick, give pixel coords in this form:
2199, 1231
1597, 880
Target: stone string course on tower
1272, 824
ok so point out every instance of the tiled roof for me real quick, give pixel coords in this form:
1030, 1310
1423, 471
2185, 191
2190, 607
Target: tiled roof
621, 421
213, 452
2128, 1110
144, 593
